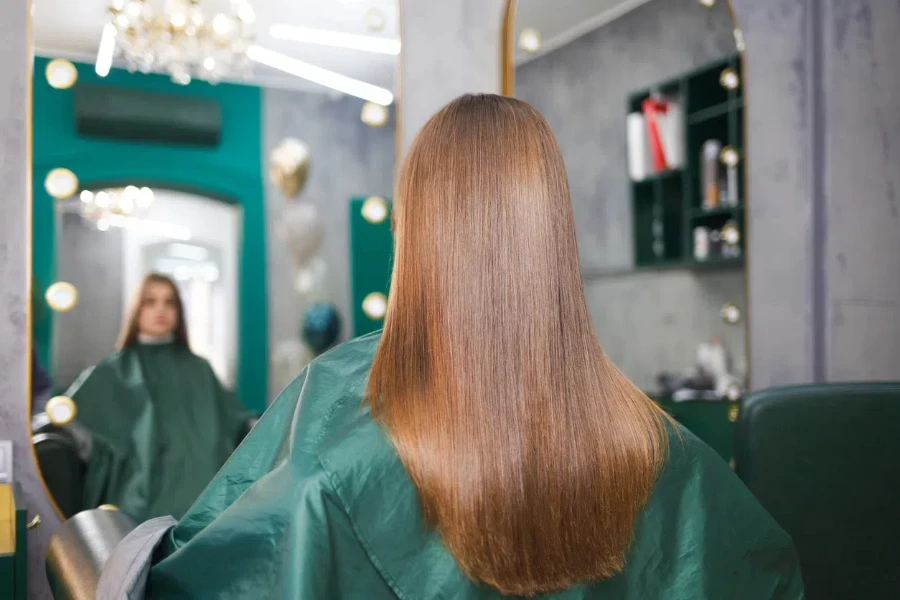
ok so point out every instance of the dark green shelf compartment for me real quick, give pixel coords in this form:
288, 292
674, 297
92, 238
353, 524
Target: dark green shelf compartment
667, 206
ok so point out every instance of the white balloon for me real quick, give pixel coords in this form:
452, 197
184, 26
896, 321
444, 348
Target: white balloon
310, 280
301, 230
288, 359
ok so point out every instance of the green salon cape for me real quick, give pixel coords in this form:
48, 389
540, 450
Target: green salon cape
315, 504
161, 427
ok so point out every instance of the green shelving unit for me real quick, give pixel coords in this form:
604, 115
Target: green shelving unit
672, 200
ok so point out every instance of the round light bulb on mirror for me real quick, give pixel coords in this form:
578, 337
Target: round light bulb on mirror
374, 19
729, 156
61, 296
729, 79
61, 74
731, 235
86, 196
375, 210
61, 410
707, 3
61, 183
530, 41
374, 115
375, 306
731, 314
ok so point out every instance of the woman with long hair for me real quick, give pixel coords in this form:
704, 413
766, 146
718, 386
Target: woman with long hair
482, 445
160, 422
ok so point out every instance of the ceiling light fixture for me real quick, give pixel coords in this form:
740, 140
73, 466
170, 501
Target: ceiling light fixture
336, 39
183, 38
374, 19
374, 115
330, 79
107, 50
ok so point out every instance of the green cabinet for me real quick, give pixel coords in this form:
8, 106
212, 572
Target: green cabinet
711, 421
671, 201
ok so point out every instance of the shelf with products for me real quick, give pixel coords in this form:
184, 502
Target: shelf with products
678, 122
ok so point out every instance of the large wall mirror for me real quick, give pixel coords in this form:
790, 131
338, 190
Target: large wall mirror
199, 168
646, 100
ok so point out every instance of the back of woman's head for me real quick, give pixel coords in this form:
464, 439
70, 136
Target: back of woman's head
531, 453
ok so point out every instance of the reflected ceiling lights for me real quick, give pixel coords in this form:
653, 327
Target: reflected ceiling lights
530, 41
178, 37
61, 74
374, 115
336, 39
374, 19
708, 3
121, 208
335, 81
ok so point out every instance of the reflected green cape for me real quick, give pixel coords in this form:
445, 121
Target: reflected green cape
315, 504
161, 426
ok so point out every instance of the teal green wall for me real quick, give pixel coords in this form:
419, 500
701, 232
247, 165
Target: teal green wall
371, 255
231, 171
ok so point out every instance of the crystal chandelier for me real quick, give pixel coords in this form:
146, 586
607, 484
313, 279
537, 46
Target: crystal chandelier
122, 208
203, 39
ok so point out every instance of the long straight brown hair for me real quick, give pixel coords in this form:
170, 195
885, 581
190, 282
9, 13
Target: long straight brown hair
531, 453
131, 328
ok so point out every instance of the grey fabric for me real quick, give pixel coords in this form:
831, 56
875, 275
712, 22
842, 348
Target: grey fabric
124, 576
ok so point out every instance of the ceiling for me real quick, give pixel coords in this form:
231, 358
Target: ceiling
71, 29
561, 21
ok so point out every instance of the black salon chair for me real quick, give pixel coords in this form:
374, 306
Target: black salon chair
824, 460
57, 453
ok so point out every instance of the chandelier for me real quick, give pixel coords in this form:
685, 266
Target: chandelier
122, 208
184, 38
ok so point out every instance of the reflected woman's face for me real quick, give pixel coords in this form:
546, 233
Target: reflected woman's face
159, 313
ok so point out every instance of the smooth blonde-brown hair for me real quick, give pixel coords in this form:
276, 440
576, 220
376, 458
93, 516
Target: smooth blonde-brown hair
131, 327
531, 453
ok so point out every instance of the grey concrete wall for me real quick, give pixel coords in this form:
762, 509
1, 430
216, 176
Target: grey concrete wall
860, 75
91, 260
652, 321
648, 321
15, 208
347, 159
449, 49
824, 233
